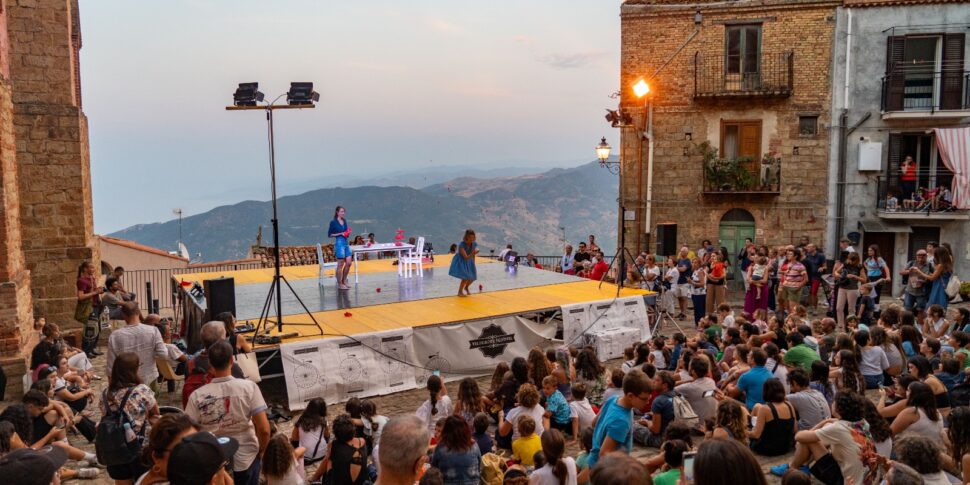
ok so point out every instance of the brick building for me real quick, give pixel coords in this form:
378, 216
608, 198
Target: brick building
740, 95
47, 225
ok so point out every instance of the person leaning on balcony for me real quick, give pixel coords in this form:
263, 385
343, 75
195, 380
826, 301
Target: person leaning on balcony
907, 177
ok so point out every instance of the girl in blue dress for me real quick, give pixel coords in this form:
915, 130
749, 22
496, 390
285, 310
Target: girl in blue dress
942, 271
340, 231
463, 263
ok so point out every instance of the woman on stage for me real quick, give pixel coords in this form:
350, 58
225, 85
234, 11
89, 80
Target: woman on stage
340, 231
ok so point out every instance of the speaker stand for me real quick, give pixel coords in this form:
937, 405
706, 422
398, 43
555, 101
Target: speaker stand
264, 316
621, 253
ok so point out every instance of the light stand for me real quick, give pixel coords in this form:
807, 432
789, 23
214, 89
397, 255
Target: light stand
275, 287
603, 153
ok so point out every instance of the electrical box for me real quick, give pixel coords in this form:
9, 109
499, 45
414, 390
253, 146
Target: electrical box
870, 156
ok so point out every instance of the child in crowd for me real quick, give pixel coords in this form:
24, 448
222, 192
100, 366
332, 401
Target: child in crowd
892, 203
481, 436
463, 263
615, 387
586, 440
951, 375
437, 405
659, 355
761, 320
629, 360
960, 341
673, 451
580, 412
758, 271
725, 316
867, 305
677, 341
525, 447
373, 422
281, 463
557, 409
930, 348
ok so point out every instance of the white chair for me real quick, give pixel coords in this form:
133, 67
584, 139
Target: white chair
413, 258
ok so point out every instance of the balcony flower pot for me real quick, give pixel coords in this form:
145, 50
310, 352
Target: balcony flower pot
965, 290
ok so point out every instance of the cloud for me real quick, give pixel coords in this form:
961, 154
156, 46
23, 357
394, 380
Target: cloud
573, 60
522, 39
443, 26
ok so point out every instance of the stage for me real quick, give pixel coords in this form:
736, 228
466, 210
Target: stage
415, 326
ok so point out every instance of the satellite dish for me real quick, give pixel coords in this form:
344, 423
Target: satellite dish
184, 251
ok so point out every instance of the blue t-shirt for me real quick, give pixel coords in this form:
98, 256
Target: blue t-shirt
558, 408
682, 279
674, 357
753, 383
812, 264
484, 442
614, 421
908, 349
337, 228
664, 406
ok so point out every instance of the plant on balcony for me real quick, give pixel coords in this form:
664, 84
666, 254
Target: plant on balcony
771, 172
727, 174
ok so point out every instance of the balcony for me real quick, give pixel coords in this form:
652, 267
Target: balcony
931, 206
742, 175
773, 79
925, 90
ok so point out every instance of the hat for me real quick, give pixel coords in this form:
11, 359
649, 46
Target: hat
198, 457
27, 466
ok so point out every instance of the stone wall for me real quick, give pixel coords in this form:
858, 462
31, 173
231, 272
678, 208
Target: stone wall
651, 35
52, 152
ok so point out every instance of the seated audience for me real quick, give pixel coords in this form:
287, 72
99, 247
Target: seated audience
776, 425
457, 455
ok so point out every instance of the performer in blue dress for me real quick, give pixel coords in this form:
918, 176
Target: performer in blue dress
942, 271
340, 231
463, 263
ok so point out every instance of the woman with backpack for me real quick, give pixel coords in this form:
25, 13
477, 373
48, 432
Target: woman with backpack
135, 402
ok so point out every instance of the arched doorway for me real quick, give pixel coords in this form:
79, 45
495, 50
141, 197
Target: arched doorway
736, 226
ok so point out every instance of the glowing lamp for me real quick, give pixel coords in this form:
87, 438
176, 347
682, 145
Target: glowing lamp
641, 88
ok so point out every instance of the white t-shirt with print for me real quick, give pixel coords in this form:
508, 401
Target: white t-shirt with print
225, 407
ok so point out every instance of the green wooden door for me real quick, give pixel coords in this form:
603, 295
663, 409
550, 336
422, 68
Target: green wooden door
732, 235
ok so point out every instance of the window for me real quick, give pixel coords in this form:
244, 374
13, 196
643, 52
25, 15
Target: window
741, 139
742, 49
808, 125
924, 72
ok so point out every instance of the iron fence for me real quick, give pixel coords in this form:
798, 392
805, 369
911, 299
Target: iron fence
926, 87
774, 76
159, 282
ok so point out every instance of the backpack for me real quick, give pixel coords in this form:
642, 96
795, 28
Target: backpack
684, 412
110, 441
195, 377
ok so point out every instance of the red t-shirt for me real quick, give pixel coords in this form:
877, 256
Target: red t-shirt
909, 174
599, 269
85, 284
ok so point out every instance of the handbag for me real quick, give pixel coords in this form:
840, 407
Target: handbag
247, 362
953, 287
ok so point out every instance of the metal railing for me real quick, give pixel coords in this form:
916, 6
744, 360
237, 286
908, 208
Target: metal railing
925, 87
742, 175
927, 201
162, 286
774, 77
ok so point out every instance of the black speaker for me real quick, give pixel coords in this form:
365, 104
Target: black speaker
220, 296
666, 239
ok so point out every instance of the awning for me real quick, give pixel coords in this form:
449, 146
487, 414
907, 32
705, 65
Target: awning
875, 225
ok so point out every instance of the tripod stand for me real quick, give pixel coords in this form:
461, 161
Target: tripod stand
660, 313
621, 253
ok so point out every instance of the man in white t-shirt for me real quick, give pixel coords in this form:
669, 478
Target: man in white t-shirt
234, 408
841, 448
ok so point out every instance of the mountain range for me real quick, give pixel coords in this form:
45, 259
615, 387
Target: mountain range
533, 212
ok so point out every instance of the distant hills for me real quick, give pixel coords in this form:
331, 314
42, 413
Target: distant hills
524, 210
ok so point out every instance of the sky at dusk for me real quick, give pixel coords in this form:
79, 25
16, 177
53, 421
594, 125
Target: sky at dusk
403, 85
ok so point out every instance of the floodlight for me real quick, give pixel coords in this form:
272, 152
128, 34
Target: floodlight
301, 94
641, 88
247, 94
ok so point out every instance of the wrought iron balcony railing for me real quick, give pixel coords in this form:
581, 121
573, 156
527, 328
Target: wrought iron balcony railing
926, 87
774, 76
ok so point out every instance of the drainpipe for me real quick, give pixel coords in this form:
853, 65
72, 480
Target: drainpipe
649, 135
843, 139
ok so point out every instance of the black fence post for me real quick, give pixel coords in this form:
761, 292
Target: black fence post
148, 297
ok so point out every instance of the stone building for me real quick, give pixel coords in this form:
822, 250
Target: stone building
900, 71
47, 225
740, 95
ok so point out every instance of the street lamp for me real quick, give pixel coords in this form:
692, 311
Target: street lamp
247, 97
641, 89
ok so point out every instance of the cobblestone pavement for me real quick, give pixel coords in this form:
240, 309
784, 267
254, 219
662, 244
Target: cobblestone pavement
400, 404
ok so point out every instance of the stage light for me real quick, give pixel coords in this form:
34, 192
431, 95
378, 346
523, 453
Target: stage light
301, 93
613, 117
247, 94
641, 88
603, 151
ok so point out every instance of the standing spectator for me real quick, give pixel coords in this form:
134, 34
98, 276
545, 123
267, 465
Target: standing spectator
613, 430
745, 261
233, 408
811, 406
915, 293
582, 254
942, 271
125, 389
592, 243
88, 302
815, 266
142, 340
793, 279
567, 261
716, 282
404, 444
698, 290
456, 455
841, 448
851, 275
877, 271
682, 288
907, 177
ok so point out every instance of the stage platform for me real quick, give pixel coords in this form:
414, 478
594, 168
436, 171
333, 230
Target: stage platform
405, 302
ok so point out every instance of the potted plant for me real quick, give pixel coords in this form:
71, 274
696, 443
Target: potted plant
965, 290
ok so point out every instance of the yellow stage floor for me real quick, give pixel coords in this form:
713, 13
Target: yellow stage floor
438, 311
292, 273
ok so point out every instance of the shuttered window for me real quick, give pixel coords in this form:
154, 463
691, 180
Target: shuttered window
742, 49
951, 71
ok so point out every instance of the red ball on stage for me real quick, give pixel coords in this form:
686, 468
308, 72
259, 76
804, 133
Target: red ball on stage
378, 290
479, 287
348, 314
